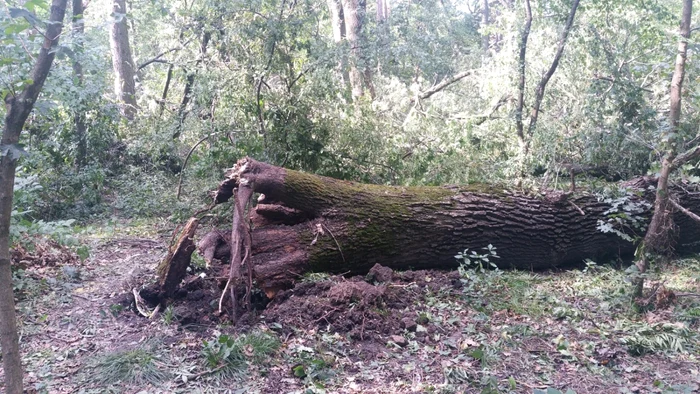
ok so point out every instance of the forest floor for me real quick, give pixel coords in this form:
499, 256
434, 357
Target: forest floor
393, 332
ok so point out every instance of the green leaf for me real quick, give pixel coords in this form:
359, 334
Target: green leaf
299, 371
17, 27
477, 354
32, 5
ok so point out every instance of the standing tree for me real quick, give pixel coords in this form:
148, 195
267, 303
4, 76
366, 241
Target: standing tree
78, 25
189, 84
525, 136
122, 61
659, 235
360, 75
485, 18
338, 25
18, 106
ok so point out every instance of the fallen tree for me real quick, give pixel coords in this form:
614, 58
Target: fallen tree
304, 223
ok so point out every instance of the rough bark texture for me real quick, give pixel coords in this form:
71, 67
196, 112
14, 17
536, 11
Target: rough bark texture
348, 227
18, 108
122, 61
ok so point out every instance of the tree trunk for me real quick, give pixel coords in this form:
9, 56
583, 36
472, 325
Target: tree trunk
311, 223
485, 20
122, 61
525, 139
659, 236
520, 104
338, 24
360, 74
189, 84
78, 117
18, 108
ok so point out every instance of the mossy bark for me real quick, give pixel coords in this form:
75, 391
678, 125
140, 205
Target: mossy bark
348, 227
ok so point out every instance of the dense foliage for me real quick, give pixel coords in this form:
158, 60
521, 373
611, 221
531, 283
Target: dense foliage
266, 78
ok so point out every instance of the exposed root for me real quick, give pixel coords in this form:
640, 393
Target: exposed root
240, 246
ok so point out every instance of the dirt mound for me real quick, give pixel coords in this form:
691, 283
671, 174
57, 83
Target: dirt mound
362, 307
355, 307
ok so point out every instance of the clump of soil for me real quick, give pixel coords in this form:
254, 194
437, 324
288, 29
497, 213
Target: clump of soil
355, 307
378, 304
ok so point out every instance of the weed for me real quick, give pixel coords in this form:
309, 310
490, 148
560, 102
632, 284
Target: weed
137, 367
645, 338
313, 277
169, 315
231, 356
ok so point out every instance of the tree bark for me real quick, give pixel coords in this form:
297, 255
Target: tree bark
659, 236
338, 24
18, 108
360, 74
122, 61
78, 117
308, 223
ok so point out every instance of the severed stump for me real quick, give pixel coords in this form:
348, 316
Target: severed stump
173, 268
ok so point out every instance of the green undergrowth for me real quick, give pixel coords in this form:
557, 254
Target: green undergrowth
518, 332
138, 366
231, 355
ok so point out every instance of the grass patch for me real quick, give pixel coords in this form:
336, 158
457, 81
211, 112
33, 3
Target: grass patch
231, 355
136, 367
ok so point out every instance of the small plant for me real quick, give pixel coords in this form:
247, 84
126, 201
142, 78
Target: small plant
232, 355
625, 216
475, 261
137, 367
169, 315
313, 277
662, 337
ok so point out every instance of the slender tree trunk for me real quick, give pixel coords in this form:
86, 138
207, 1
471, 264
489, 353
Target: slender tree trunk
338, 24
18, 108
79, 118
524, 139
539, 93
122, 61
189, 84
658, 238
520, 105
360, 74
164, 96
381, 11
485, 20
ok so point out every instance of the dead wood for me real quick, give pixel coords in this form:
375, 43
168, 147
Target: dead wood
307, 223
173, 268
